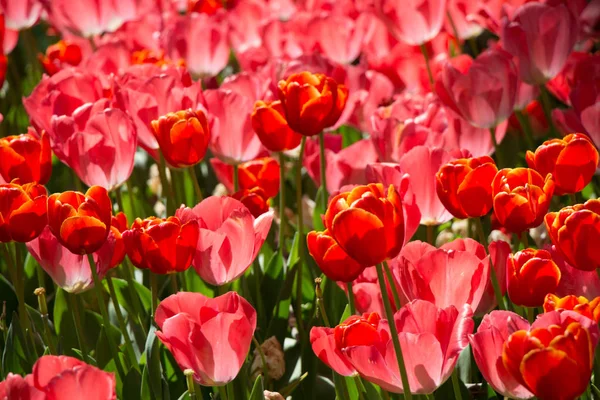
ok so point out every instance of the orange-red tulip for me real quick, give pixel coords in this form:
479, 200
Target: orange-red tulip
118, 225
464, 186
254, 199
357, 331
209, 7
81, 222
335, 263
579, 304
531, 276
521, 198
312, 102
59, 55
26, 157
22, 211
575, 231
183, 137
572, 161
553, 362
163, 246
262, 173
158, 58
269, 123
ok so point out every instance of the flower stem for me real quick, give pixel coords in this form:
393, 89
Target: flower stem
394, 334
43, 307
456, 385
547, 108
301, 240
493, 277
236, 178
430, 238
191, 385
499, 156
530, 314
135, 300
74, 303
390, 278
323, 165
281, 203
194, 178
351, 298
320, 304
122, 326
131, 200
154, 291
105, 318
263, 359
222, 392
426, 57
166, 186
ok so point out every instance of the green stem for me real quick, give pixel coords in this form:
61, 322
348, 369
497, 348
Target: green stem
177, 186
131, 200
320, 304
526, 126
547, 108
194, 178
573, 198
493, 277
323, 171
135, 300
394, 334
78, 326
453, 26
360, 387
106, 320
301, 240
351, 298
236, 178
119, 200
18, 282
426, 57
167, 189
174, 285
524, 239
456, 385
263, 359
154, 291
530, 314
222, 392
43, 307
128, 344
191, 385
430, 238
281, 204
473, 46
390, 278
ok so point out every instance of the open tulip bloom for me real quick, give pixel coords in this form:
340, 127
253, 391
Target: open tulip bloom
285, 199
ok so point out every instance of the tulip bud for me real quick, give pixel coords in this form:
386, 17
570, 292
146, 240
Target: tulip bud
531, 275
26, 157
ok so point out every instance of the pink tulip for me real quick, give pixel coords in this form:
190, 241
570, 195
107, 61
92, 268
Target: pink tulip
413, 21
494, 330
421, 164
461, 11
460, 134
323, 345
367, 294
482, 91
246, 35
148, 92
574, 281
431, 339
70, 271
343, 166
585, 96
97, 142
230, 238
210, 336
199, 39
60, 377
541, 36
562, 84
20, 14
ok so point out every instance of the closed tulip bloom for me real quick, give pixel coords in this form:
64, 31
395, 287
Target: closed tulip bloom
162, 245
482, 91
62, 54
572, 161
183, 137
575, 231
312, 102
269, 123
81, 222
521, 198
261, 172
229, 240
118, 225
332, 260
26, 157
22, 211
324, 345
579, 304
415, 22
531, 276
541, 36
464, 186
21, 14
254, 199
210, 336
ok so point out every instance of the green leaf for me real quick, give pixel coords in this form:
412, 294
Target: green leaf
153, 369
14, 357
30, 266
132, 384
350, 135
319, 210
145, 295
63, 323
293, 257
184, 396
258, 389
196, 284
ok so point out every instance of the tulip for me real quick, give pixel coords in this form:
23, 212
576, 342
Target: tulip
255, 200
98, 142
60, 55
312, 102
81, 222
464, 186
269, 123
158, 58
572, 161
460, 134
118, 225
26, 157
54, 377
430, 353
164, 246
323, 343
261, 172
521, 198
531, 275
229, 239
209, 7
202, 332
575, 231
581, 305
541, 52
22, 211
585, 95
21, 14
415, 22
332, 260
482, 91
461, 12
574, 281
448, 276
183, 137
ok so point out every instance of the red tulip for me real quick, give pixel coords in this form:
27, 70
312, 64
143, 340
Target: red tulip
22, 211
541, 52
482, 91
209, 7
183, 137
323, 344
415, 22
163, 246
254, 199
312, 102
464, 186
333, 261
60, 55
229, 239
572, 161
585, 96
531, 276
575, 231
269, 123
261, 172
81, 222
581, 305
118, 225
202, 332
521, 198
158, 58
26, 157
